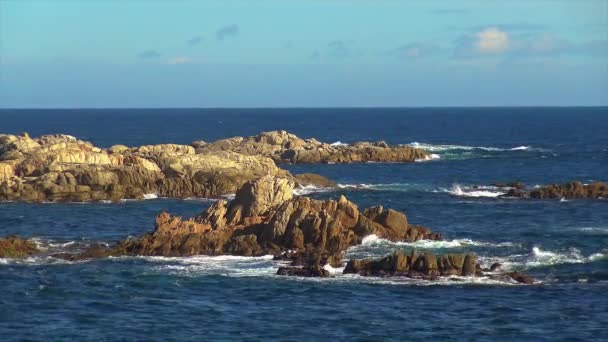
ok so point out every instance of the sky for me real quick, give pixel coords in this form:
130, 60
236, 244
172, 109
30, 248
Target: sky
302, 53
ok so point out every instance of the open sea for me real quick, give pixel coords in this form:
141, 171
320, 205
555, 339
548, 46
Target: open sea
563, 244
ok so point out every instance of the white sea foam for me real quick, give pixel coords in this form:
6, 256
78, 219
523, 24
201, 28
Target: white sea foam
338, 143
309, 189
540, 258
595, 230
150, 196
225, 265
461, 191
430, 157
447, 148
372, 240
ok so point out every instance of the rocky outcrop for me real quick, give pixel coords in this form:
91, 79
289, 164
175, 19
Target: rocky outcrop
572, 190
284, 147
265, 218
63, 168
417, 266
426, 266
15, 247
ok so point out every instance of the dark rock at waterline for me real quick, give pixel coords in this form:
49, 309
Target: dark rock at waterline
16, 247
572, 190
495, 266
414, 265
305, 271
521, 278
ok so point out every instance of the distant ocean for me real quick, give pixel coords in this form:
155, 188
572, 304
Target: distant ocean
564, 244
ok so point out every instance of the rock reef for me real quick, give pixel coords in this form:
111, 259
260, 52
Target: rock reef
284, 147
63, 168
571, 190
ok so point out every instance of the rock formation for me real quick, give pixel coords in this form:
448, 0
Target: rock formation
265, 218
63, 168
15, 247
425, 266
284, 147
570, 190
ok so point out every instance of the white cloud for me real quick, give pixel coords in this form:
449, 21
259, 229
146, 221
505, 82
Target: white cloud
179, 60
492, 41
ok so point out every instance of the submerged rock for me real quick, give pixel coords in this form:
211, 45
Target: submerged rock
284, 147
265, 218
16, 247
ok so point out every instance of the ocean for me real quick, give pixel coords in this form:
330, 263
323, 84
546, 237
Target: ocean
563, 244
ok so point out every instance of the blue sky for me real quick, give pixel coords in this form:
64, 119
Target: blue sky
302, 53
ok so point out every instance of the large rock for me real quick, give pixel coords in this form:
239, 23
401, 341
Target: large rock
425, 266
63, 168
264, 218
284, 147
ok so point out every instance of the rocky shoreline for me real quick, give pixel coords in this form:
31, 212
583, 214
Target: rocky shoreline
63, 168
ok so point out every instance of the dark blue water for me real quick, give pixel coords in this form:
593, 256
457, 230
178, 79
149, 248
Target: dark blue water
563, 244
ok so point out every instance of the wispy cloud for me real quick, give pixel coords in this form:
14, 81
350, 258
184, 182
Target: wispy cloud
497, 42
415, 50
195, 40
179, 60
148, 54
229, 31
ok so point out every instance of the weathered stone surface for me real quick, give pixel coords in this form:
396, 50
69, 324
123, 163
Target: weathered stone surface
264, 218
308, 179
284, 147
63, 168
15, 247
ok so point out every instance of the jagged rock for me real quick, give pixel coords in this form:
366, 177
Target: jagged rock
63, 168
15, 247
284, 147
264, 218
514, 185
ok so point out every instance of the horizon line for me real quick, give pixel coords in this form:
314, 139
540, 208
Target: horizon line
311, 107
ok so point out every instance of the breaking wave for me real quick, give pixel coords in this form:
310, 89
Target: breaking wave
447, 148
372, 240
542, 258
463, 191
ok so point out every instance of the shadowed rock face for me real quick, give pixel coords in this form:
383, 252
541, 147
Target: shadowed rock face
265, 218
63, 168
15, 247
424, 266
284, 147
414, 265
